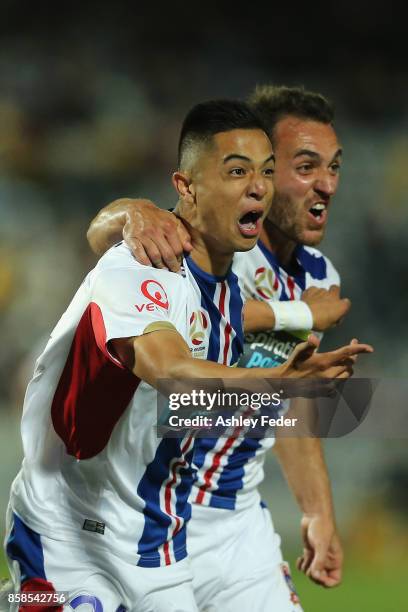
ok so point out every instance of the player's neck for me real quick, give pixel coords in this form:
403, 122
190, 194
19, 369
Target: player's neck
216, 264
279, 244
205, 253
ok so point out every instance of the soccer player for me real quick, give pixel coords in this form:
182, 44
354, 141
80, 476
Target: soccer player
99, 508
280, 270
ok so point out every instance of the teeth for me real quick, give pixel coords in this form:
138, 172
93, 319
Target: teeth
318, 207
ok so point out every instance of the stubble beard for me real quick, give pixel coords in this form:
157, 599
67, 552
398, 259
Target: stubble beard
289, 221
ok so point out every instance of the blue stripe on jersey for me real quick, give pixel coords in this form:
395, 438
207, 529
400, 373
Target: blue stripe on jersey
24, 546
231, 479
157, 521
208, 284
201, 447
315, 265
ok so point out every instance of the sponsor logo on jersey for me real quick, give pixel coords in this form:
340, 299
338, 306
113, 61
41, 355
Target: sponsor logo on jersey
274, 348
268, 349
155, 293
266, 283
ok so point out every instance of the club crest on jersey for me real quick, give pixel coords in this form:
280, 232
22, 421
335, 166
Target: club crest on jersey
266, 284
197, 333
155, 293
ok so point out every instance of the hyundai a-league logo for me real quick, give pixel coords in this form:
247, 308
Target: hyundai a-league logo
198, 325
266, 283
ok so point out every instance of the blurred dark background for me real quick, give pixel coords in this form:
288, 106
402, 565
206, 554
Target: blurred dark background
91, 99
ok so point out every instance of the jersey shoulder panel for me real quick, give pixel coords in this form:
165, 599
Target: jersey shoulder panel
318, 265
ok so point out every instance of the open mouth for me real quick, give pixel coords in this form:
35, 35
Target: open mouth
318, 211
249, 224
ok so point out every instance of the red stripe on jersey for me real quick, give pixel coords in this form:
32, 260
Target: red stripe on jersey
217, 460
228, 328
168, 490
227, 334
187, 443
166, 550
210, 472
38, 585
93, 392
291, 287
169, 485
222, 298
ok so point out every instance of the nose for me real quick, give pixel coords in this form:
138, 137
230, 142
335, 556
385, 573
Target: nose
258, 187
326, 184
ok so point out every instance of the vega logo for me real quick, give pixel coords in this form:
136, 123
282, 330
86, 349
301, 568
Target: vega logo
154, 292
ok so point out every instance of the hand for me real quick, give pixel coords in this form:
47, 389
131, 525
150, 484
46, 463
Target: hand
322, 557
156, 237
327, 308
306, 362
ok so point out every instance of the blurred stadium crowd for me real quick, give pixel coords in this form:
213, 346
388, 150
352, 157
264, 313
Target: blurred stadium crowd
90, 110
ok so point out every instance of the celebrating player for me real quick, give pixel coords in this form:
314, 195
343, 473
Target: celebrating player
99, 508
277, 272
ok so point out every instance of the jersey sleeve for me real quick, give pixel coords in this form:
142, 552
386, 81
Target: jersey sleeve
129, 302
333, 277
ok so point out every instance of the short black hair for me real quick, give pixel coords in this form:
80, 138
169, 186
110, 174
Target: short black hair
273, 103
207, 119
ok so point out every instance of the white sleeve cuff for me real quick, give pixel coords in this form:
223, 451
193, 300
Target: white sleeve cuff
292, 315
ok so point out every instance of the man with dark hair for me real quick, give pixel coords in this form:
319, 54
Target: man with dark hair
99, 508
289, 287
274, 103
206, 120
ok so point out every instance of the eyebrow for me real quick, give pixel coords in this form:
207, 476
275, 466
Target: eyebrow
310, 153
247, 159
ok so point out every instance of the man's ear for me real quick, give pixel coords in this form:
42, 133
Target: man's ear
184, 187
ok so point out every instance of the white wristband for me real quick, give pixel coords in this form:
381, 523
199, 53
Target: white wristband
292, 315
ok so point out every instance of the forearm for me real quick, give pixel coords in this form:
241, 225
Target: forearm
164, 354
258, 316
106, 228
184, 367
304, 467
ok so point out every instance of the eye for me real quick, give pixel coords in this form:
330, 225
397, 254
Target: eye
237, 171
269, 171
335, 167
305, 167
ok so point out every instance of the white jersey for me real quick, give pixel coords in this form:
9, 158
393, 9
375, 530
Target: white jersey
230, 469
94, 470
